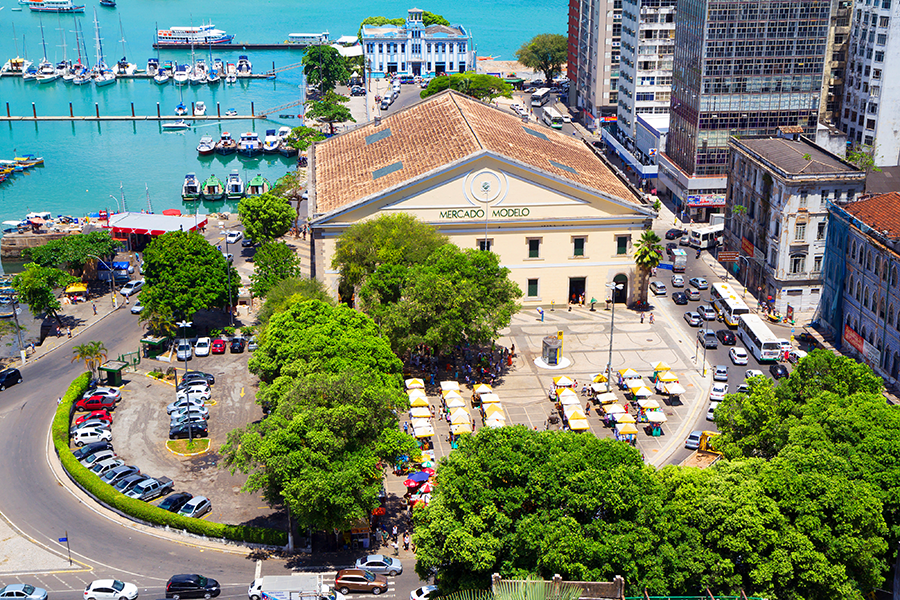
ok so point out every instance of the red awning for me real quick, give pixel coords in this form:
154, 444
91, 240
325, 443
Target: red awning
173, 212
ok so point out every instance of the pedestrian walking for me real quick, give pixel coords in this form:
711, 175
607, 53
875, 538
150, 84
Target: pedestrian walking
406, 541
651, 318
587, 409
59, 401
642, 318
94, 306
396, 548
126, 300
69, 331
394, 535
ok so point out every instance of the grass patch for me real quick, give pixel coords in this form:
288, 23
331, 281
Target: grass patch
137, 508
188, 446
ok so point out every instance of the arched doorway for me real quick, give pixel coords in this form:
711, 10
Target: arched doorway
620, 296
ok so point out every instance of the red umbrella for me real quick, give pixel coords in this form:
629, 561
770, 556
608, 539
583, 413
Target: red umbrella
427, 488
428, 470
411, 484
378, 511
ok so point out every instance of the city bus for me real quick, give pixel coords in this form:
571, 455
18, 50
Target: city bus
758, 338
552, 117
706, 237
540, 97
727, 303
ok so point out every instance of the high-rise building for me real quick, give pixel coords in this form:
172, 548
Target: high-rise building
741, 68
595, 31
871, 111
836, 62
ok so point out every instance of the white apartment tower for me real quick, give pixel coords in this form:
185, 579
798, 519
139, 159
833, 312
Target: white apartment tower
871, 111
595, 28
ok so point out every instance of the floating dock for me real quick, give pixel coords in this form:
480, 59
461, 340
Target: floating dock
130, 118
233, 46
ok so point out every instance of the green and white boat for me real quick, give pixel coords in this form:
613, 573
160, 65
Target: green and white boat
258, 185
212, 189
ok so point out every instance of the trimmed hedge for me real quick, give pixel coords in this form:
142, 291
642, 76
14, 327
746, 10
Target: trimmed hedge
137, 508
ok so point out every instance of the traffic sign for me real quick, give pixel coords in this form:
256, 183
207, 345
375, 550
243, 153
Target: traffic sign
728, 256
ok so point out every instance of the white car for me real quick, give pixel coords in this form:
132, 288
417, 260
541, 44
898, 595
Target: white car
677, 281
201, 348
108, 392
709, 412
195, 410
194, 387
110, 589
183, 350
718, 391
693, 440
753, 373
738, 356
423, 593
90, 435
132, 287
137, 308
233, 237
182, 403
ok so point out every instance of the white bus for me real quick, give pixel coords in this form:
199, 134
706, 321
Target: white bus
758, 338
552, 117
707, 237
729, 306
540, 97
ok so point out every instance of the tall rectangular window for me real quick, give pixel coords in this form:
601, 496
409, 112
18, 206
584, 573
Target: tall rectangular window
621, 245
820, 230
534, 248
817, 264
800, 231
804, 199
578, 246
484, 245
797, 263
532, 288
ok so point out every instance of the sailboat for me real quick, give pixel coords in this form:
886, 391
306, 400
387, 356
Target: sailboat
103, 75
64, 67
82, 71
212, 76
30, 73
17, 65
123, 67
46, 70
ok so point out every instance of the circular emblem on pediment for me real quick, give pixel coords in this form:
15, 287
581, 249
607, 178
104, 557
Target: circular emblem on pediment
485, 187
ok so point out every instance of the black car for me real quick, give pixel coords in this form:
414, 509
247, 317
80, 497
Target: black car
247, 243
89, 449
175, 501
198, 430
778, 371
679, 298
9, 377
726, 337
192, 586
358, 91
238, 344
195, 375
674, 234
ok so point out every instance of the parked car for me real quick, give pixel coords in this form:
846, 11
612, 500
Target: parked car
104, 391
192, 586
753, 373
679, 298
96, 403
778, 371
692, 294
110, 589
100, 415
674, 234
796, 356
710, 416
193, 395
126, 483
22, 591
174, 502
738, 356
137, 307
90, 459
182, 403
658, 288
194, 387
90, 424
120, 472
742, 388
194, 410
90, 448
102, 466
233, 237
197, 430
358, 91
9, 377
378, 563
201, 348
237, 345
218, 347
247, 243
359, 580
699, 282
196, 507
693, 440
229, 257
132, 287
707, 312
677, 281
423, 593
707, 338
210, 379
726, 337
720, 373
183, 350
718, 391
185, 417
151, 488
692, 318
252, 344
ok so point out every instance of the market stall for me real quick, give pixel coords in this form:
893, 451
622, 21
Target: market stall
414, 383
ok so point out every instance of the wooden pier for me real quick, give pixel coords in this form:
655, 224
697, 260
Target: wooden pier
217, 116
234, 46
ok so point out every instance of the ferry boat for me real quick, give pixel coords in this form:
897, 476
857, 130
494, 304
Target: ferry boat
206, 146
258, 185
59, 6
234, 186
190, 189
308, 39
249, 145
226, 144
201, 36
212, 189
244, 66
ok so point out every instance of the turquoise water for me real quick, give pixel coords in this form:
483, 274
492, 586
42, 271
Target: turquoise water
85, 163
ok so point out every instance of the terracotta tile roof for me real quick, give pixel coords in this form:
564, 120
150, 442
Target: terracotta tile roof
881, 212
432, 135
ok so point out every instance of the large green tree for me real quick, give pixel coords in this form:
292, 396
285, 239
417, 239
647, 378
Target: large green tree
290, 291
479, 86
397, 239
184, 273
318, 451
74, 251
324, 67
273, 262
35, 287
266, 217
303, 137
546, 53
330, 108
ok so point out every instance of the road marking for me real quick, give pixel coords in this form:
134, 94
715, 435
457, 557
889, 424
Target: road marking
258, 569
242, 391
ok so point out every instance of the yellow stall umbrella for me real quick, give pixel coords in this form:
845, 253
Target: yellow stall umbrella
656, 416
490, 398
414, 383
612, 409
446, 386
648, 404
598, 378
482, 388
635, 383
625, 418
420, 412
628, 373
574, 412
460, 416
607, 397
460, 428
563, 381
579, 424
456, 403
495, 421
423, 432
451, 394
626, 429
567, 393
493, 409
416, 393
570, 400
420, 401
661, 366
643, 392
668, 377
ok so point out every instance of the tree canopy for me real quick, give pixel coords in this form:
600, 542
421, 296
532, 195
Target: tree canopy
331, 109
184, 273
546, 53
303, 137
273, 262
73, 251
324, 67
34, 286
647, 257
290, 291
479, 86
266, 217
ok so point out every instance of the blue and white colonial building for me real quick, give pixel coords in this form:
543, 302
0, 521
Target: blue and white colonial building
416, 49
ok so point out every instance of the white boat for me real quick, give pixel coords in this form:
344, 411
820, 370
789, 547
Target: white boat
190, 189
15, 66
46, 72
212, 78
181, 109
271, 142
231, 78
234, 185
101, 73
198, 75
203, 35
123, 67
200, 109
244, 66
152, 66
206, 146
176, 125
249, 144
161, 77
181, 75
30, 74
59, 6
231, 112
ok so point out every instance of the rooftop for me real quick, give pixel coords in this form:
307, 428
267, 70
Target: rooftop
400, 31
881, 213
154, 224
444, 130
886, 179
795, 157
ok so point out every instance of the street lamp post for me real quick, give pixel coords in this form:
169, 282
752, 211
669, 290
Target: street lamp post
184, 325
228, 266
709, 305
112, 278
613, 287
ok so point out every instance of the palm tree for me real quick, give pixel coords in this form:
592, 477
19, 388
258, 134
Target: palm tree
92, 353
647, 257
160, 322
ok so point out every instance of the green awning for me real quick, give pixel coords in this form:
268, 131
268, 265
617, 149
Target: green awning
513, 80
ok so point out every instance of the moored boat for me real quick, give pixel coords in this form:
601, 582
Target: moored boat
152, 66
181, 75
226, 144
15, 66
212, 189
59, 6
249, 145
231, 112
201, 36
271, 142
234, 186
190, 189
212, 78
30, 74
258, 185
206, 146
199, 108
181, 109
176, 125
161, 77
244, 66
108, 3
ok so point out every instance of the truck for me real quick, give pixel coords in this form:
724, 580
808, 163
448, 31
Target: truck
300, 586
704, 456
679, 260
151, 488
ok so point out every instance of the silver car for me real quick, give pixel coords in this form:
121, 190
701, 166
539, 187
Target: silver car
22, 591
720, 373
184, 351
378, 563
90, 459
195, 410
184, 417
182, 403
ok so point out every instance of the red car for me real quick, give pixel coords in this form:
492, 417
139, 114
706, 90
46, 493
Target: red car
95, 403
218, 347
102, 415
